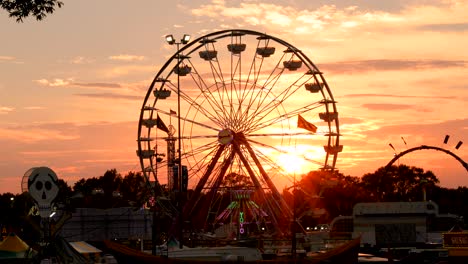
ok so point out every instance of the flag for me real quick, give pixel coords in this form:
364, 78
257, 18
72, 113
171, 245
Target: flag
160, 124
302, 123
172, 112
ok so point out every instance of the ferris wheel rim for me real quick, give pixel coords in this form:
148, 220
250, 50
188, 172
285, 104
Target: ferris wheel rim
191, 48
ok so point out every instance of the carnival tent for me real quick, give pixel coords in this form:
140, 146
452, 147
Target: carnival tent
14, 247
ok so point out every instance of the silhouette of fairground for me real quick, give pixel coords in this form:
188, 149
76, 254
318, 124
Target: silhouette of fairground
320, 196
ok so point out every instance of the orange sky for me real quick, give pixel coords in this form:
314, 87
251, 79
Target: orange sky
71, 86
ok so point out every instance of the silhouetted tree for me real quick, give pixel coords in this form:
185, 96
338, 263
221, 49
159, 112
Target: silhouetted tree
113, 190
111, 181
398, 183
135, 189
7, 204
340, 198
451, 201
322, 190
20, 9
14, 216
64, 194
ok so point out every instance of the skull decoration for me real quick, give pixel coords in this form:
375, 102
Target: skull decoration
42, 185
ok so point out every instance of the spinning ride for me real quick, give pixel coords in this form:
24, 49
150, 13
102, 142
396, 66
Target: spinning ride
248, 103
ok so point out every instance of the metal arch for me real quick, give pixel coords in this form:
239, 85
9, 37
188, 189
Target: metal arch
463, 163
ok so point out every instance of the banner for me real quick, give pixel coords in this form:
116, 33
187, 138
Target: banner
302, 123
160, 124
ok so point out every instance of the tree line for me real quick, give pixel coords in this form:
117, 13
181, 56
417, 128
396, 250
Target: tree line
319, 196
337, 193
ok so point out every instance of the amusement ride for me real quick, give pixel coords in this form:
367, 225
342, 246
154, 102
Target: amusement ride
216, 121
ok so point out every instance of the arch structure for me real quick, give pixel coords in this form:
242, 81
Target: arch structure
422, 147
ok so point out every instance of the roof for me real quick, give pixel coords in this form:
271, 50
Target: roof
84, 248
13, 243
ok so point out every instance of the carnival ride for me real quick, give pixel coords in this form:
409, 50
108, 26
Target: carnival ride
426, 147
243, 100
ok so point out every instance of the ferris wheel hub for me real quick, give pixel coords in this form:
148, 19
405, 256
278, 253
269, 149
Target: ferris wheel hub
225, 136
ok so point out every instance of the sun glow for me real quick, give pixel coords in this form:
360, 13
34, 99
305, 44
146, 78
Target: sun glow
291, 163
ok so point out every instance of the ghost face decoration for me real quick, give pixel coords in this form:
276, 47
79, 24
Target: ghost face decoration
42, 185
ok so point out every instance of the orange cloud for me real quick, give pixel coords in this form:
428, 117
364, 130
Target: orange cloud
127, 57
6, 110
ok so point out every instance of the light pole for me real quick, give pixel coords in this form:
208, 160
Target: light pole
171, 41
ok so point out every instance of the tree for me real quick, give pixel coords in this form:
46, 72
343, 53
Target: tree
322, 195
20, 9
398, 183
135, 189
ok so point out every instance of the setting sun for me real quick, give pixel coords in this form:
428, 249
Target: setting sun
291, 163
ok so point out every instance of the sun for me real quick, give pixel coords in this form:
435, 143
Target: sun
291, 164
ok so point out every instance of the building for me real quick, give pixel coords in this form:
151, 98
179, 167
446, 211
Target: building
123, 223
395, 224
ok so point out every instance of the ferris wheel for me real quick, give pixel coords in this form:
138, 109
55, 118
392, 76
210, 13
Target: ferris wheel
249, 105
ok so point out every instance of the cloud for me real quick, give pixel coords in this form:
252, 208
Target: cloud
385, 107
98, 85
128, 69
350, 120
362, 23
399, 96
55, 82
349, 67
73, 150
34, 108
449, 27
455, 126
58, 82
127, 57
80, 60
291, 19
6, 110
34, 134
110, 96
7, 58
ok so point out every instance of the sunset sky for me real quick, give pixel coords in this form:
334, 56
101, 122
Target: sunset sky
72, 85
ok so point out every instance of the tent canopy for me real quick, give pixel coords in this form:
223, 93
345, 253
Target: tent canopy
13, 243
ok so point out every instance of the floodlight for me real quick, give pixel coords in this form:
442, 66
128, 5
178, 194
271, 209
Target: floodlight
170, 39
185, 39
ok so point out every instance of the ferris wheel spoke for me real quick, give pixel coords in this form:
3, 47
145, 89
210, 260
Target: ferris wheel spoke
263, 123
288, 134
211, 115
190, 205
277, 100
259, 98
186, 119
212, 100
284, 207
205, 151
270, 82
250, 92
270, 101
282, 151
255, 180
